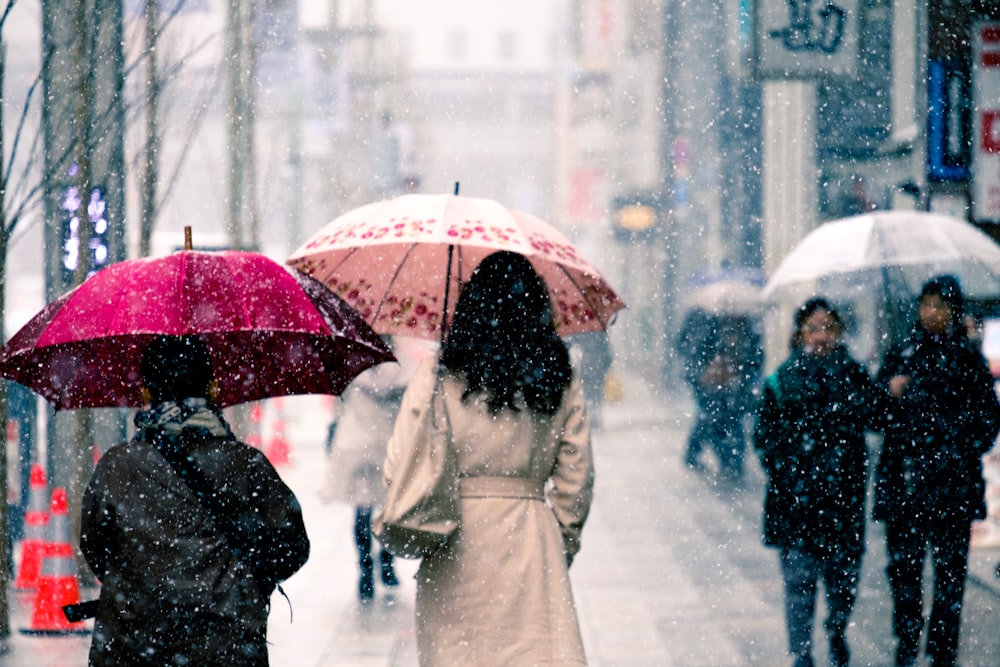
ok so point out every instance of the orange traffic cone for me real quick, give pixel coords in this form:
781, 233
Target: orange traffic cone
253, 438
36, 519
279, 451
57, 585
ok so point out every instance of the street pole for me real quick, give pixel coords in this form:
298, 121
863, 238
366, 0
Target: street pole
241, 218
920, 145
150, 174
5, 547
670, 373
789, 185
83, 123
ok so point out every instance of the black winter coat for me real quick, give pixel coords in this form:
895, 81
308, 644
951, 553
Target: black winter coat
174, 591
810, 436
938, 431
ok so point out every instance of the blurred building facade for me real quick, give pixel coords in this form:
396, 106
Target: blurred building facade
893, 113
647, 130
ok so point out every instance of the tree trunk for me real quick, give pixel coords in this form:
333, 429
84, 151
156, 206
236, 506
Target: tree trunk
241, 218
151, 158
5, 546
84, 103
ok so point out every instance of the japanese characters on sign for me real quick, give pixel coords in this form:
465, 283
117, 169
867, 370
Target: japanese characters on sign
801, 39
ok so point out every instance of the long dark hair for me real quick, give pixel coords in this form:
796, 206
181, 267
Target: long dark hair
503, 339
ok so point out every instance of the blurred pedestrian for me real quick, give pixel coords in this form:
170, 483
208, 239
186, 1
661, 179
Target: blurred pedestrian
943, 416
354, 472
188, 529
723, 356
500, 593
591, 352
336, 412
810, 436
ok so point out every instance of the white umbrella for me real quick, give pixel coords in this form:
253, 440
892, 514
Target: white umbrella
729, 296
903, 248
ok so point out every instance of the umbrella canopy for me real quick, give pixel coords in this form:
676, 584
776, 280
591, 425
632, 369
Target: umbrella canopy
401, 262
906, 247
729, 296
269, 332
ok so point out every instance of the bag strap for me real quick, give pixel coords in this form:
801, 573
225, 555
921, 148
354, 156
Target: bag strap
196, 480
203, 489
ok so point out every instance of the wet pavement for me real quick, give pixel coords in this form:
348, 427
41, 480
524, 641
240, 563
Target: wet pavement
672, 570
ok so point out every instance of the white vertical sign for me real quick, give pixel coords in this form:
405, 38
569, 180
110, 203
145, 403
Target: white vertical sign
986, 109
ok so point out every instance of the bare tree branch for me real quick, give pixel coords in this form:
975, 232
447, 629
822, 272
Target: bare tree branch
25, 111
6, 12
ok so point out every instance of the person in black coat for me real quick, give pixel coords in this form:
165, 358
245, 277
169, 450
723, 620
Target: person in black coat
943, 415
188, 529
810, 437
723, 356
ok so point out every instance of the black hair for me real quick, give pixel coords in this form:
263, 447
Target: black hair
176, 367
806, 310
503, 339
949, 289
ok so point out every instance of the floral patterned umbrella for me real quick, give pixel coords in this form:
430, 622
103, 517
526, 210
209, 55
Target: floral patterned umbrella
401, 262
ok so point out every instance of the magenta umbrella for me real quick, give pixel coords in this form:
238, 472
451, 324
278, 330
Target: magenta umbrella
401, 262
269, 331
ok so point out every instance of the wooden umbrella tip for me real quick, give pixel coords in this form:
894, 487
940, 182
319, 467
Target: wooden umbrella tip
188, 244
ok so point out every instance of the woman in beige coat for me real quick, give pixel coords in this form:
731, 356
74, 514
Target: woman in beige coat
500, 594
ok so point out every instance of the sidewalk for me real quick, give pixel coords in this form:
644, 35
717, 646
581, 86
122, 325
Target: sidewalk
621, 615
326, 624
672, 570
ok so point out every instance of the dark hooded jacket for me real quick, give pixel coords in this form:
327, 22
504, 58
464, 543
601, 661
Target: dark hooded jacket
810, 437
178, 589
938, 431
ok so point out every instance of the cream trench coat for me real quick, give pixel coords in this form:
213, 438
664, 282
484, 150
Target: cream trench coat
501, 594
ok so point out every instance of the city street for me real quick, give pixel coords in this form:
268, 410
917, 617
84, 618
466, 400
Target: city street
672, 571
652, 159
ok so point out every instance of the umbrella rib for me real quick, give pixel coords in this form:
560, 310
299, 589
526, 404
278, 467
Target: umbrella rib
347, 256
181, 279
391, 282
245, 308
122, 296
583, 294
333, 270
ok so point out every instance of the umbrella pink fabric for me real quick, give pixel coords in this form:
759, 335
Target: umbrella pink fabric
389, 260
269, 332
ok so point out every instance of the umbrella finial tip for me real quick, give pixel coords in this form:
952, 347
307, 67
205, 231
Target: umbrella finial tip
188, 244
456, 187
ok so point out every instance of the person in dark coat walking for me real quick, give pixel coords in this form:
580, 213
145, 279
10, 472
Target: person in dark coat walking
810, 437
943, 415
188, 529
593, 358
723, 356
